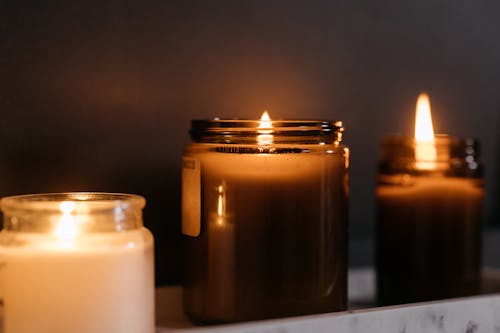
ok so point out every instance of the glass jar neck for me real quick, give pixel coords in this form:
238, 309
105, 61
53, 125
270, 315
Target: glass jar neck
230, 131
445, 155
86, 212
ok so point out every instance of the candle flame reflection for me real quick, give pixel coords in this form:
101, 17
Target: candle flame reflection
66, 228
425, 149
265, 128
221, 205
220, 201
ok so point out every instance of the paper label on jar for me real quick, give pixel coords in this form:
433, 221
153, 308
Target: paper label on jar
191, 196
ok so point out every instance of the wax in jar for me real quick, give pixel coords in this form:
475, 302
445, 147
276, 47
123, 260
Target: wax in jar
84, 287
428, 238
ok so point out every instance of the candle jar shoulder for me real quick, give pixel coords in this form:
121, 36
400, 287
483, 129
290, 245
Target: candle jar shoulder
279, 162
16, 243
428, 188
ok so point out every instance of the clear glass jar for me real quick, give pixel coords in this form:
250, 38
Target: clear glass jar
428, 220
265, 219
76, 262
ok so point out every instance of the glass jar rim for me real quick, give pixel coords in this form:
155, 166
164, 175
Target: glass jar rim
79, 202
450, 155
226, 130
439, 139
218, 125
451, 145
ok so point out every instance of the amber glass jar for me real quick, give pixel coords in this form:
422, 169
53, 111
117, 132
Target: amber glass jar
428, 220
265, 219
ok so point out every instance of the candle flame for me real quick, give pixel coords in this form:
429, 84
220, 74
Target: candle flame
66, 229
424, 131
265, 128
265, 120
425, 149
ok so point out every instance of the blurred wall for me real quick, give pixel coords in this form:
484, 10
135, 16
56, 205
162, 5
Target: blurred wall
99, 95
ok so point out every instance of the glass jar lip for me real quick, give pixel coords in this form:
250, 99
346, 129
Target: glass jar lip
451, 155
218, 124
438, 139
74, 202
443, 142
407, 139
245, 130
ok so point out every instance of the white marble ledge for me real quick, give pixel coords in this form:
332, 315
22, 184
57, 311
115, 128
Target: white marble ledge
469, 315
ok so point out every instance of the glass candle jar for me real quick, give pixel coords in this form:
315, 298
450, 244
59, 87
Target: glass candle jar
265, 215
76, 262
428, 220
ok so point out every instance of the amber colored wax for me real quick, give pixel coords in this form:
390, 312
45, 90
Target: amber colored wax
428, 239
221, 275
281, 249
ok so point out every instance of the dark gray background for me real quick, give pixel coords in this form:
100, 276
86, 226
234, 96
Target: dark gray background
99, 95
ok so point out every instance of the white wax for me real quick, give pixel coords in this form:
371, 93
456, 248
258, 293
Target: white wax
100, 284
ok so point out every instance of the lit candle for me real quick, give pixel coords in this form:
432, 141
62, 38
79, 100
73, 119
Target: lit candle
429, 199
281, 236
78, 262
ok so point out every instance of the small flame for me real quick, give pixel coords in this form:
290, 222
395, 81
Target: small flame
66, 228
425, 149
265, 120
265, 125
423, 120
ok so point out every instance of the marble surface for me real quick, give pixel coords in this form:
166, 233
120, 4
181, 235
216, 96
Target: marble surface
470, 315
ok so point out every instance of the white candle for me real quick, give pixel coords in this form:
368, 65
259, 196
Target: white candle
86, 282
